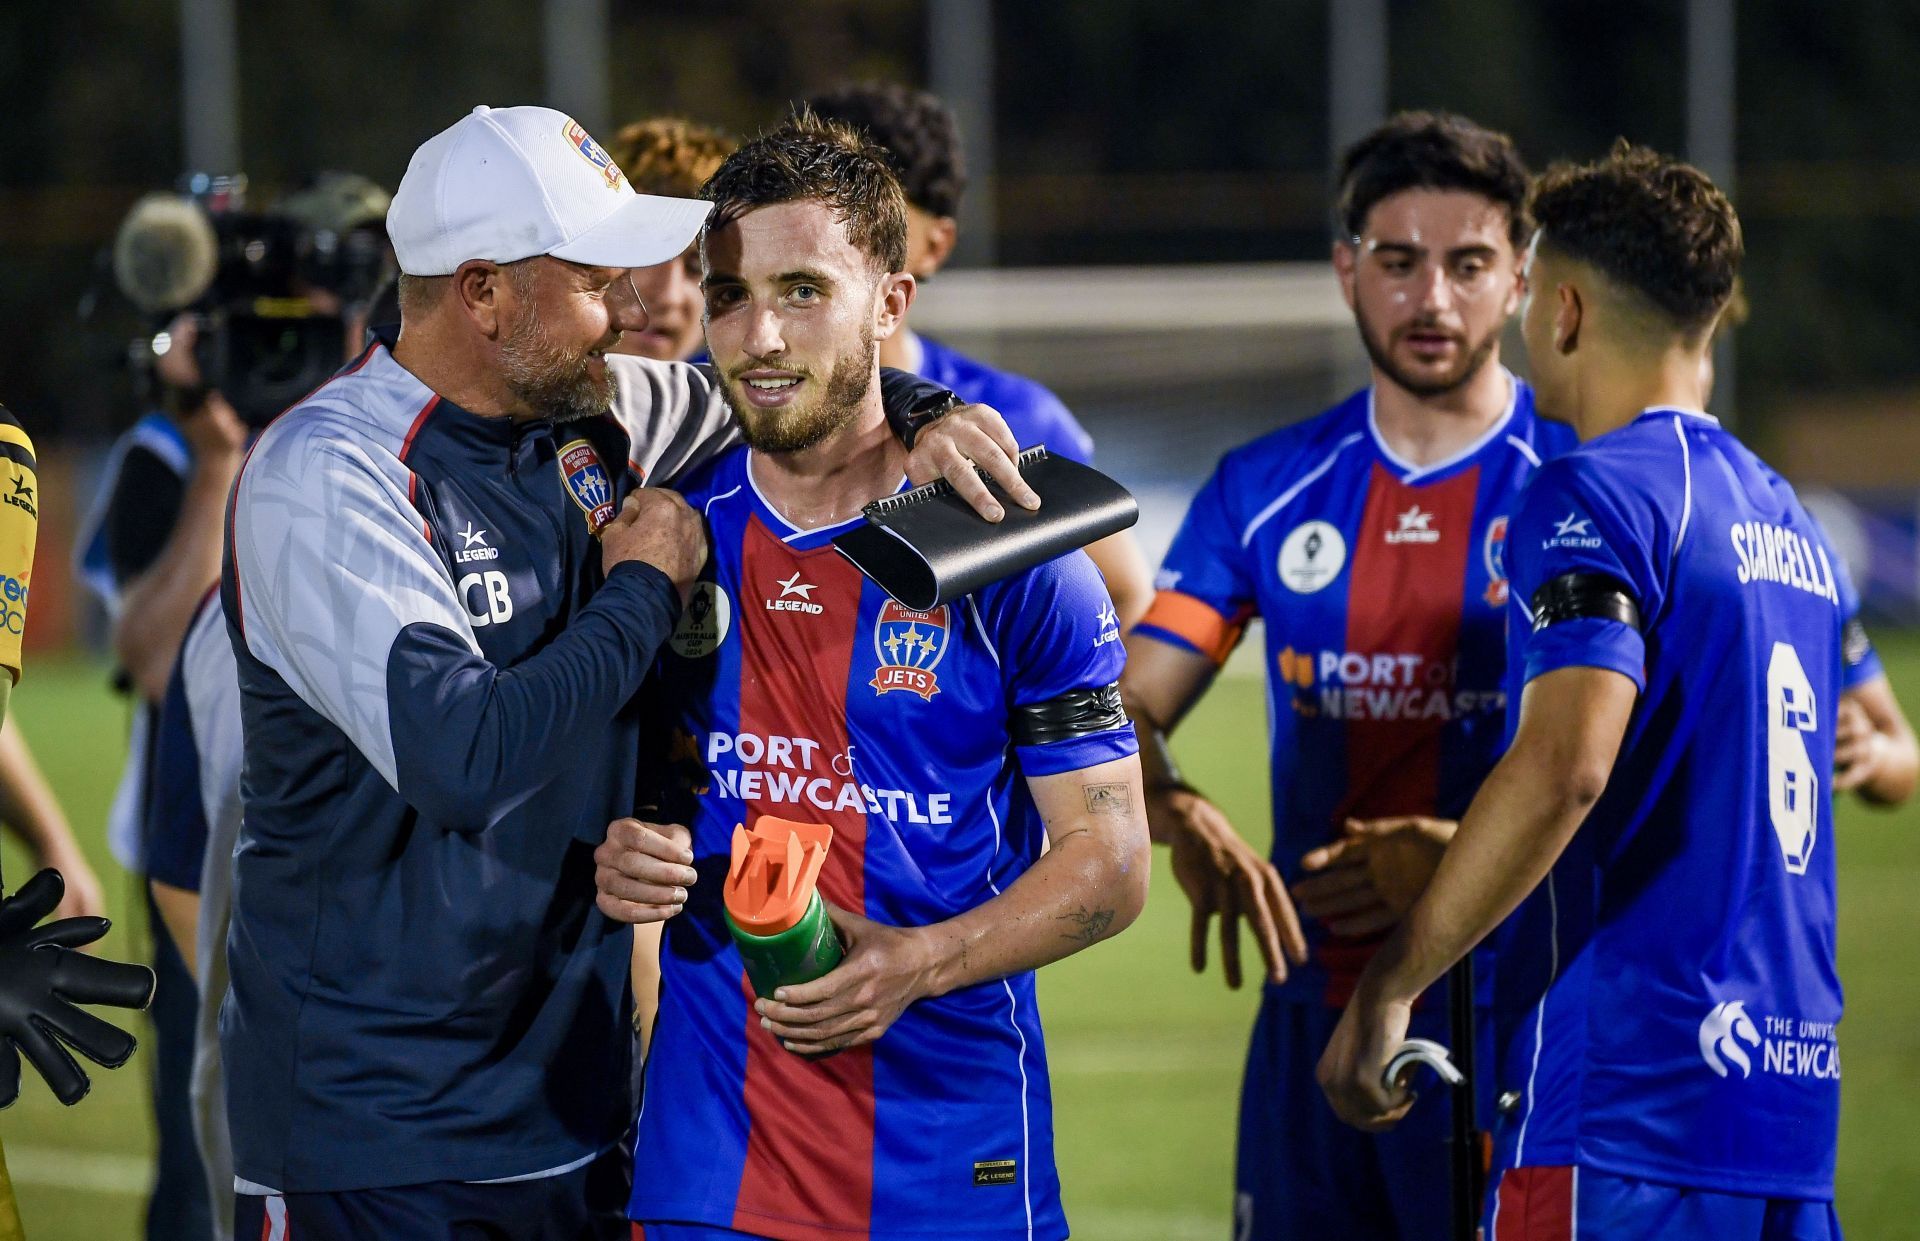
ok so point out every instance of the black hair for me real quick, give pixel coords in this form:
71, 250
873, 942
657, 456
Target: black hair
1435, 151
1651, 224
917, 131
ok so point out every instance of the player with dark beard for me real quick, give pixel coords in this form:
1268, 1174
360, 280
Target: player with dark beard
1370, 541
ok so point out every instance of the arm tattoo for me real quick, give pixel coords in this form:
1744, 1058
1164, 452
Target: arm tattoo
1088, 925
1113, 799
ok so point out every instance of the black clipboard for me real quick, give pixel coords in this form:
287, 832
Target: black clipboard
927, 546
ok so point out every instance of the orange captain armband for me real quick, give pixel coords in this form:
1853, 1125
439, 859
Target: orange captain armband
1196, 623
19, 521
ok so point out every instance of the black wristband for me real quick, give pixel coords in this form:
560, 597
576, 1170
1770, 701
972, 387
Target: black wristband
1574, 596
912, 402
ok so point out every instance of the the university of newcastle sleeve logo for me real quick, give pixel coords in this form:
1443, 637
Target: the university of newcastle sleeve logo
909, 646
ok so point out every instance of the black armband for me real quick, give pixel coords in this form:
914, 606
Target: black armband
1076, 713
1577, 596
912, 402
1855, 646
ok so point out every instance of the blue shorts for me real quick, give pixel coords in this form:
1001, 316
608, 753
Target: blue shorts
587, 1204
1302, 1173
690, 1232
1562, 1203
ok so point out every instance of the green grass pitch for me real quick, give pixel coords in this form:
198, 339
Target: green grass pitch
1145, 1055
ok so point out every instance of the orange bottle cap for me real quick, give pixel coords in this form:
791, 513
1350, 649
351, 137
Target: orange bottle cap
775, 866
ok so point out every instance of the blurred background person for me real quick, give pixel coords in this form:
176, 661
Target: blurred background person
149, 551
192, 827
151, 547
672, 157
922, 141
1369, 541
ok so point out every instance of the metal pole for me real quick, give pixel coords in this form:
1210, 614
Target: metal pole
1710, 138
1357, 70
1468, 1168
210, 85
576, 48
960, 71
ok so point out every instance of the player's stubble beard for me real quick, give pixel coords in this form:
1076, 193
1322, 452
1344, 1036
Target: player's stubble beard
1474, 355
796, 429
555, 384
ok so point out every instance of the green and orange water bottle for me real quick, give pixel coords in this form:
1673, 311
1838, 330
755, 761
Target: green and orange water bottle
773, 906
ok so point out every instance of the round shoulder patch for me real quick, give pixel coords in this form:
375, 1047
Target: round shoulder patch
1312, 555
704, 622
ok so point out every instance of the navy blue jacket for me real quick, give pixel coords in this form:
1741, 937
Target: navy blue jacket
438, 693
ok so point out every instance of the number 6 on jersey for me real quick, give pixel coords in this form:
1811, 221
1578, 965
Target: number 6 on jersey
1792, 785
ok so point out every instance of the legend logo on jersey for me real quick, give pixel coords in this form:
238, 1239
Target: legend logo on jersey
1416, 526
796, 596
1493, 551
1311, 557
587, 483
580, 140
909, 645
474, 546
1573, 530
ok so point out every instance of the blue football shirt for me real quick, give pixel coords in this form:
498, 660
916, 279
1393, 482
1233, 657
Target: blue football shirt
799, 689
1383, 590
1668, 995
1033, 413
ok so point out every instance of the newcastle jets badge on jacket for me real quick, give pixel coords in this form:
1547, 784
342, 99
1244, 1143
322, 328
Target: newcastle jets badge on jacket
587, 483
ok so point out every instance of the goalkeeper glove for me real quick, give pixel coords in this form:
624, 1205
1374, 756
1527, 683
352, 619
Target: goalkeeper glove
42, 978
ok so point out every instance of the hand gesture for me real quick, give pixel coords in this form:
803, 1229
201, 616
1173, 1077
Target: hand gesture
886, 968
642, 870
971, 436
1222, 874
1366, 881
42, 978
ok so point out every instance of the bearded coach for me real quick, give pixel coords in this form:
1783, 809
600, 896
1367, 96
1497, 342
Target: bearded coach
444, 584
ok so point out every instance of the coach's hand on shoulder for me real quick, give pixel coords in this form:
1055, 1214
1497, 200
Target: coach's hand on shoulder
969, 437
1224, 875
886, 968
642, 870
655, 526
1366, 881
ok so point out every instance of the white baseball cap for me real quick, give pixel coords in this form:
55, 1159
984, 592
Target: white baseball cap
505, 184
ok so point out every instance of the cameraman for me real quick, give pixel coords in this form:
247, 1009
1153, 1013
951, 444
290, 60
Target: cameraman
150, 552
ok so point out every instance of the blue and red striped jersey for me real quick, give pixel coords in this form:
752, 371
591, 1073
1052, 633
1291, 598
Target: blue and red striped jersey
802, 691
1383, 594
1668, 995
